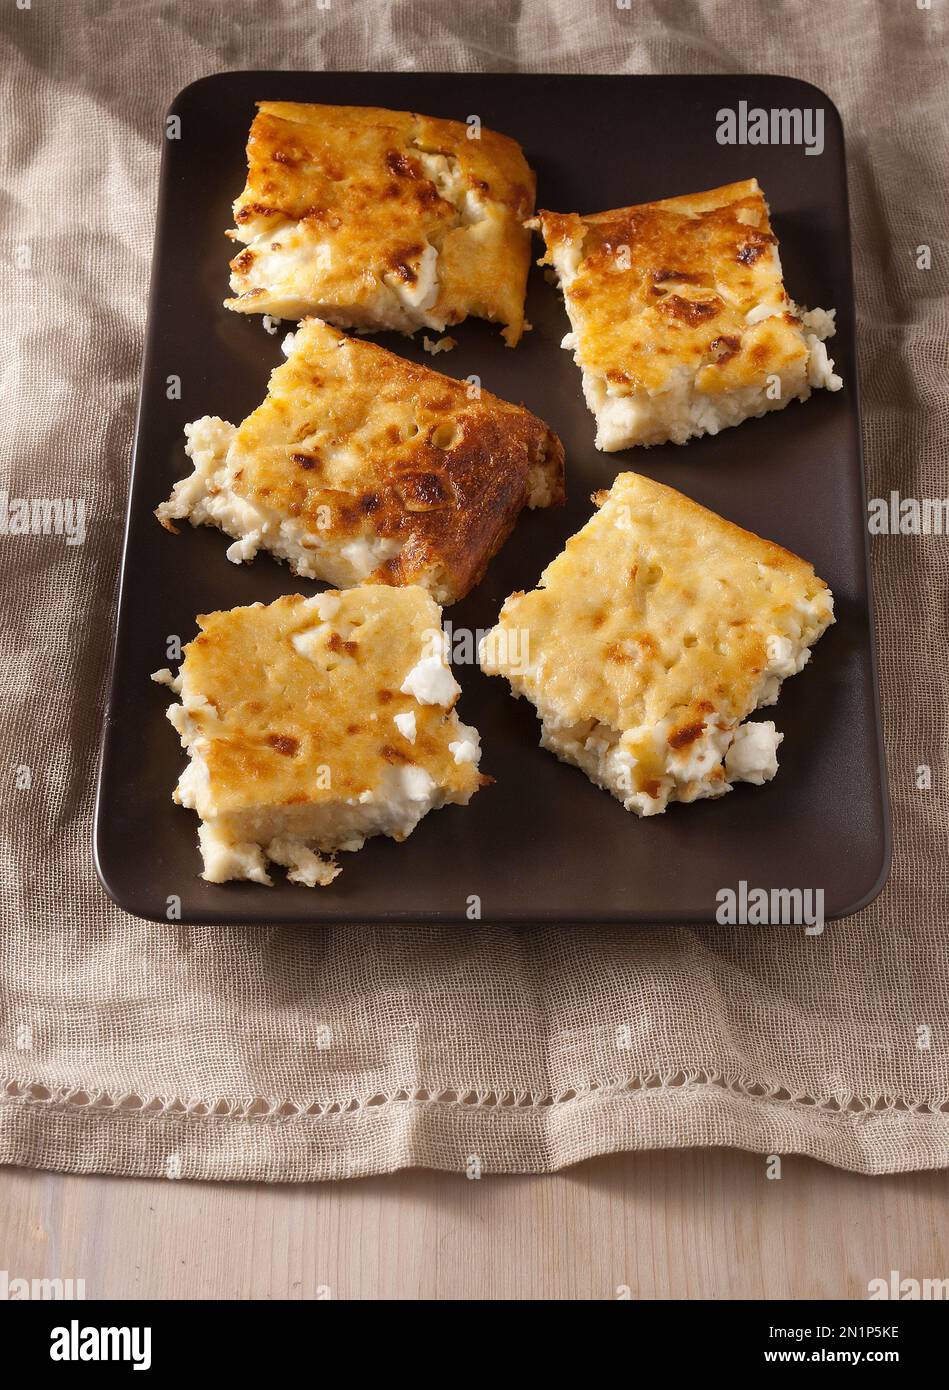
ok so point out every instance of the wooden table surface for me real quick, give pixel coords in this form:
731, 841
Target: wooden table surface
679, 1224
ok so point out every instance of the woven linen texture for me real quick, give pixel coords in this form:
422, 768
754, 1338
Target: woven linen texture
138, 1049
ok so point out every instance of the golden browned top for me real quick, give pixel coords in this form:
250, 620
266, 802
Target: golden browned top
300, 709
669, 284
657, 609
353, 441
365, 189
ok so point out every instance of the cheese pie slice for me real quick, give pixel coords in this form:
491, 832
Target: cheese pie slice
376, 219
313, 723
649, 640
362, 466
680, 322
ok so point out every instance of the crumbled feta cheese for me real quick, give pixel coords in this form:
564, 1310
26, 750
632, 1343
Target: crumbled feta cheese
165, 677
405, 723
820, 367
764, 311
753, 755
244, 549
417, 784
310, 640
431, 680
326, 606
421, 293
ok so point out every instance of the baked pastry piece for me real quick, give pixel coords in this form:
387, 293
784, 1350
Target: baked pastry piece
651, 637
680, 322
361, 466
378, 219
312, 724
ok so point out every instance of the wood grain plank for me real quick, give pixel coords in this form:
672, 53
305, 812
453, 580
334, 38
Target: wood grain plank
691, 1224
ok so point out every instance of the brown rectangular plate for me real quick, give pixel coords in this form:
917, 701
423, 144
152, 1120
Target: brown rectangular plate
542, 844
